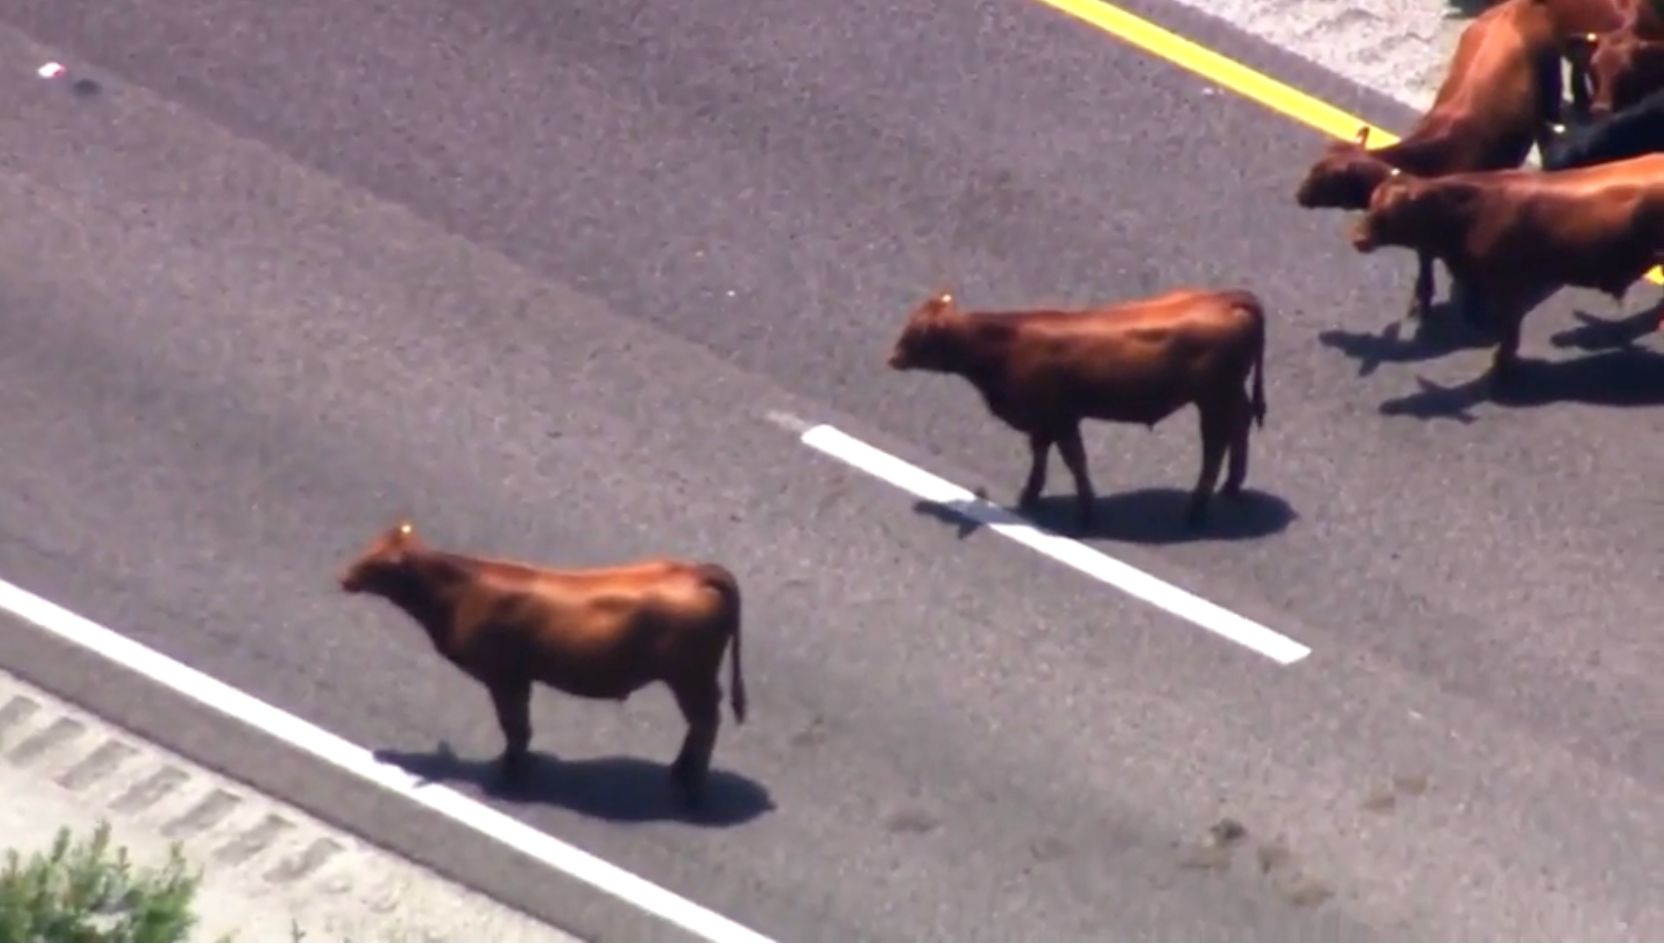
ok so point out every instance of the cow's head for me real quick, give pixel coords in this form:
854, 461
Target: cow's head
382, 562
926, 340
1397, 214
1343, 176
1623, 68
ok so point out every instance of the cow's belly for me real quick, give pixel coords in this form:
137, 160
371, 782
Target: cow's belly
593, 682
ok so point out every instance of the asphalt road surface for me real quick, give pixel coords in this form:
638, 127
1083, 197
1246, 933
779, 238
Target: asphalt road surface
537, 274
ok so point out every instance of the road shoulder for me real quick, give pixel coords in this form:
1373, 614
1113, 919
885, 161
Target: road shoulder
270, 871
1396, 47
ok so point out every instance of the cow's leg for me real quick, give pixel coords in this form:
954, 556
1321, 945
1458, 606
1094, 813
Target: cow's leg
1217, 419
1242, 423
1509, 314
1580, 92
1471, 306
1659, 262
701, 705
1421, 298
1550, 101
1577, 58
1074, 456
513, 701
1039, 446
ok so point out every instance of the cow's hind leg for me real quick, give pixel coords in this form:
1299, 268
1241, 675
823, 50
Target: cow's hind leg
701, 705
1074, 456
1038, 446
513, 701
1217, 419
1242, 423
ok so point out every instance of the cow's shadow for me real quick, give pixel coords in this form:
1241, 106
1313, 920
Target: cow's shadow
1620, 378
1442, 332
1147, 516
619, 789
1594, 334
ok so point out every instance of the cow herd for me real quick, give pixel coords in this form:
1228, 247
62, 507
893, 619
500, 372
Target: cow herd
1452, 190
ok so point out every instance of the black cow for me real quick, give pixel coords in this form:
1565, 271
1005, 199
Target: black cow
1629, 133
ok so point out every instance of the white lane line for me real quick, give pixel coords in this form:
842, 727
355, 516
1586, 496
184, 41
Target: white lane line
1088, 560
328, 747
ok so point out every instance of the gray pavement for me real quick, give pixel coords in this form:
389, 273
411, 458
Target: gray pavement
269, 873
539, 275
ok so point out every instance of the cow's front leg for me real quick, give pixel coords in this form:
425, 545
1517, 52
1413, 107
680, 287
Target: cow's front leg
1509, 314
1039, 446
1421, 297
1470, 305
1660, 308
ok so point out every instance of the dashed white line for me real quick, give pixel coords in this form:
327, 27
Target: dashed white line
1088, 560
336, 751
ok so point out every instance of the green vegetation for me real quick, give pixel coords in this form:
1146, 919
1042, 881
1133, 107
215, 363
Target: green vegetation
82, 892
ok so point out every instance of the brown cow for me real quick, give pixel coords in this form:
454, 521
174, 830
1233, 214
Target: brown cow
1624, 66
1500, 96
598, 633
1043, 372
1578, 23
1515, 237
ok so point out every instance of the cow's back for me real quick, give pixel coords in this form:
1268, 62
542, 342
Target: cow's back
603, 632
1599, 226
1491, 88
1572, 17
1137, 361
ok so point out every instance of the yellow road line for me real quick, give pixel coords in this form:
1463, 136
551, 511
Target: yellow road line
1230, 74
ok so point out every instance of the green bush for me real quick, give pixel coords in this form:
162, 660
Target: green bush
83, 893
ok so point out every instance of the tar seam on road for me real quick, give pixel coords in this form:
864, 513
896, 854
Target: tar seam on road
1230, 74
334, 750
1088, 560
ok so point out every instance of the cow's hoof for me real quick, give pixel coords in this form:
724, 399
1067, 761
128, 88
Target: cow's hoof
1504, 376
689, 792
510, 771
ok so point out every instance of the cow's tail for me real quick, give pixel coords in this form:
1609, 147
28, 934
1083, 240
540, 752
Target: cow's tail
726, 585
1256, 318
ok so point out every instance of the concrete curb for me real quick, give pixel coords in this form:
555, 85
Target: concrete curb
267, 867
1397, 47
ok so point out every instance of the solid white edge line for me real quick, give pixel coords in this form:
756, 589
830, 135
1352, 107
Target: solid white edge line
1088, 560
334, 750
